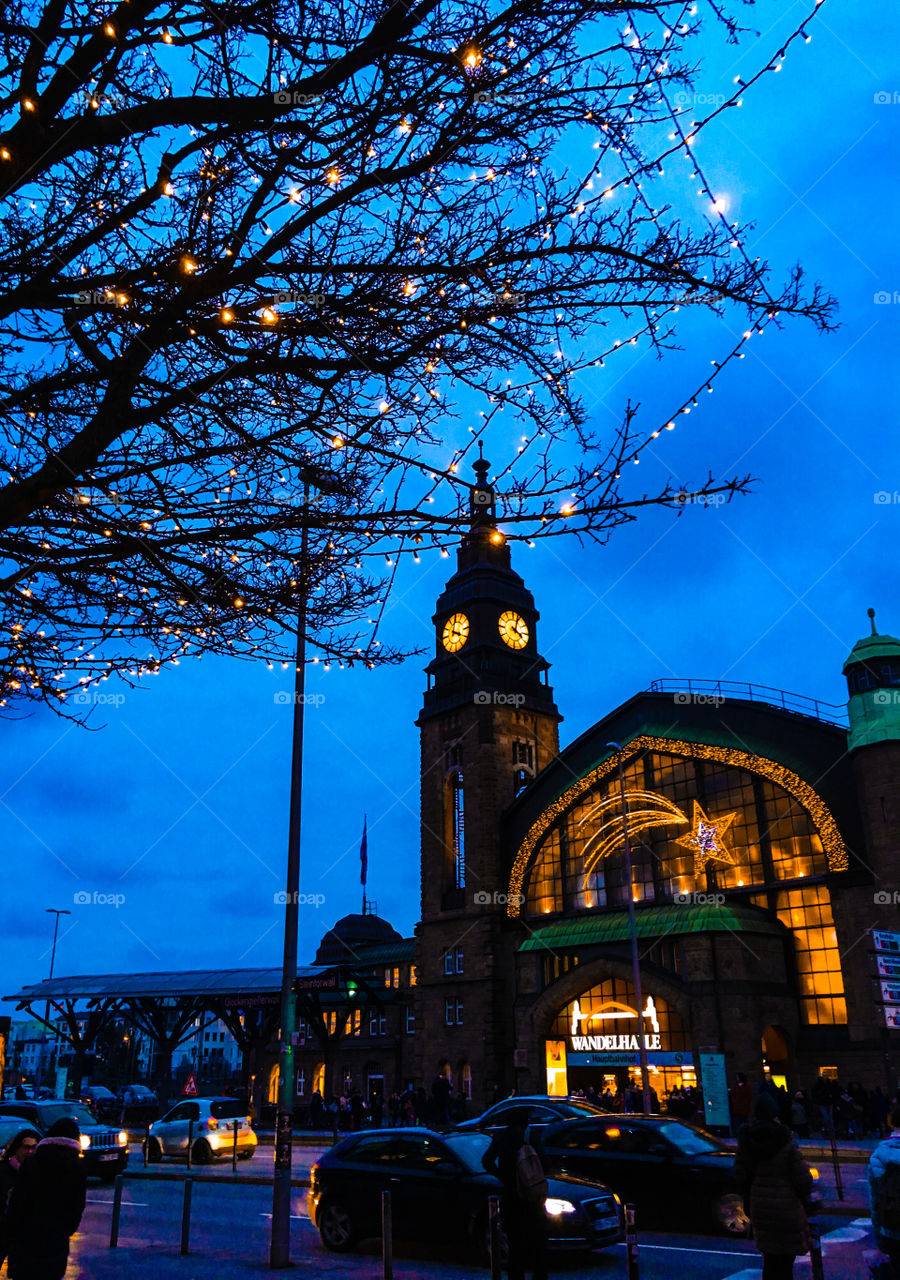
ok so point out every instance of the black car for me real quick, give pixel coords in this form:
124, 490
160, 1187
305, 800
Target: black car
10, 1126
532, 1112
105, 1149
439, 1192
669, 1169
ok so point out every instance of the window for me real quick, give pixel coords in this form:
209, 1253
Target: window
466, 1082
392, 977
377, 1025
459, 1013
807, 912
412, 975
523, 753
453, 961
410, 1020
449, 1013
458, 815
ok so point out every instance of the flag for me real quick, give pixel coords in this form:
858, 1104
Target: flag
363, 855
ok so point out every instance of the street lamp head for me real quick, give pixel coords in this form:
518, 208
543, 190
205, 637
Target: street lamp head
55, 911
615, 746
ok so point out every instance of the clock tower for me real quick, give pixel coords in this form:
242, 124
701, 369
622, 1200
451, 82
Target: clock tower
488, 725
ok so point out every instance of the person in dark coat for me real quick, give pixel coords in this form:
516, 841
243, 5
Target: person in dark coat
525, 1224
46, 1205
776, 1183
18, 1150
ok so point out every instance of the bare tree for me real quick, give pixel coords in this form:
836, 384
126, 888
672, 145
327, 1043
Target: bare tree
254, 258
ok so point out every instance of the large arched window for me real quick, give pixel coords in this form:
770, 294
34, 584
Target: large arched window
698, 825
762, 834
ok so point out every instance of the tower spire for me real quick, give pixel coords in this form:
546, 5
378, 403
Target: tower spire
871, 613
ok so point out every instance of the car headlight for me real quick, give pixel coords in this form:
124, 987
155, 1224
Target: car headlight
123, 1138
85, 1141
556, 1207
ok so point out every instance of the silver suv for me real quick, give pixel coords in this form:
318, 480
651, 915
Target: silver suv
207, 1125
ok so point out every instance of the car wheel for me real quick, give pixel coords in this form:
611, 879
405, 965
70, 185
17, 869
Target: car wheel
730, 1214
337, 1228
202, 1152
154, 1151
245, 1155
482, 1236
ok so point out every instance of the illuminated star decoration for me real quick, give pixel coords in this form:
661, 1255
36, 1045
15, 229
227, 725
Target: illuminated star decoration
705, 838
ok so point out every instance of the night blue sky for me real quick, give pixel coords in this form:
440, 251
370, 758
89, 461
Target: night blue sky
180, 802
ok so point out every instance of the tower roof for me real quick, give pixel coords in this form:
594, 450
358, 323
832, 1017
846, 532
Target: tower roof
873, 646
341, 942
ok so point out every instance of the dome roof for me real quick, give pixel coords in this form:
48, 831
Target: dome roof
340, 943
873, 646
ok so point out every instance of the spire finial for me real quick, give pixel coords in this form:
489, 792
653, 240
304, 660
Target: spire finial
871, 613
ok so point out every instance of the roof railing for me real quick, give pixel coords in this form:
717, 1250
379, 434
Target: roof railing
718, 691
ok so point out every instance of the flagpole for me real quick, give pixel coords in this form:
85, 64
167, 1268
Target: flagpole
364, 862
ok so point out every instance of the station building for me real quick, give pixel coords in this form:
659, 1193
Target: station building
765, 840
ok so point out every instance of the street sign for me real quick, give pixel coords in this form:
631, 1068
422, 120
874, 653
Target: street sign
892, 1017
889, 942
190, 1086
890, 992
888, 967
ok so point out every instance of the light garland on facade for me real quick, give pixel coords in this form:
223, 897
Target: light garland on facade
779, 774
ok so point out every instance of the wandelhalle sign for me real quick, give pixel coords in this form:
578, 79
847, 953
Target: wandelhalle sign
619, 1048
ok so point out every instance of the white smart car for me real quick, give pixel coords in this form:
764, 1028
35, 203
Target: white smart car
208, 1125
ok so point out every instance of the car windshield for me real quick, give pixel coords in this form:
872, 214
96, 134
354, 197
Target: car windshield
689, 1141
228, 1110
51, 1113
469, 1148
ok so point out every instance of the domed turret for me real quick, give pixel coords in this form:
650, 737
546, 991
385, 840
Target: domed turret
873, 681
340, 944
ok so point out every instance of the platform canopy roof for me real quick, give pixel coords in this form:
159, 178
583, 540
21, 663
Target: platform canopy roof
198, 983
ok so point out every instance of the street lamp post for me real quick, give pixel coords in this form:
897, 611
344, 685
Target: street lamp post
280, 1247
635, 960
52, 911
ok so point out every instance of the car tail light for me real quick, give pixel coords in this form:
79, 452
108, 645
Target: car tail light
313, 1177
212, 1123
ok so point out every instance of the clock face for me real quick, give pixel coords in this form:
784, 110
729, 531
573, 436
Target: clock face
513, 630
455, 633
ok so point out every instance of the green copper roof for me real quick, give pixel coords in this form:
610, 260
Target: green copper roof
650, 922
873, 646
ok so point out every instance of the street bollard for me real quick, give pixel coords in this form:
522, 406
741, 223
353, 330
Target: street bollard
815, 1252
117, 1212
495, 1250
631, 1244
190, 1141
144, 1145
234, 1149
835, 1160
387, 1236
186, 1215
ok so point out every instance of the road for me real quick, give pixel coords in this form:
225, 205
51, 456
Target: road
230, 1232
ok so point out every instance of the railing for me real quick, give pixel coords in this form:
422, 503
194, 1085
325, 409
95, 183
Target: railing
711, 690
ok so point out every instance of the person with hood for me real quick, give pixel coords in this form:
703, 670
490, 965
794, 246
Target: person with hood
776, 1183
522, 1208
884, 1192
18, 1150
46, 1205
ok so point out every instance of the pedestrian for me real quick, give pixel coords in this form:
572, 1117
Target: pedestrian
741, 1100
776, 1183
441, 1093
884, 1192
46, 1205
524, 1191
17, 1151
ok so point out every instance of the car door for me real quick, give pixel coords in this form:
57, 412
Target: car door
358, 1177
427, 1183
174, 1128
